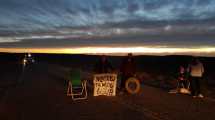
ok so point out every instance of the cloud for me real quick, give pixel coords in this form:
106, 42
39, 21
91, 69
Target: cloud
47, 14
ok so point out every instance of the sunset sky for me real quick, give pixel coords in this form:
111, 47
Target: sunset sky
157, 27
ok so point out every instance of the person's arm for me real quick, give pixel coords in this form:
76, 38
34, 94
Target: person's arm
188, 69
202, 67
122, 65
96, 68
109, 67
134, 71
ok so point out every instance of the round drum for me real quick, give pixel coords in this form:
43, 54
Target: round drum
132, 85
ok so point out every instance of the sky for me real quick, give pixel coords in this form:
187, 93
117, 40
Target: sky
44, 14
128, 24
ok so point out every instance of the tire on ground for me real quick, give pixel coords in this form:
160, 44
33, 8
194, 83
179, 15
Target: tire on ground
135, 81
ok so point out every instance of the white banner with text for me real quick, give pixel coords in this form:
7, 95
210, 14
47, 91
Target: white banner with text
105, 84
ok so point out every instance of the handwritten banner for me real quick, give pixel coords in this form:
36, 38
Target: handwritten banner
105, 84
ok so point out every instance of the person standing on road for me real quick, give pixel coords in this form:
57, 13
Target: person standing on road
196, 70
128, 69
103, 66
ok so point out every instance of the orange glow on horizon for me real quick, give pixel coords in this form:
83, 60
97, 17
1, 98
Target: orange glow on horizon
116, 50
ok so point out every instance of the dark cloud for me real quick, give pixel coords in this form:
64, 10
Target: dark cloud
40, 14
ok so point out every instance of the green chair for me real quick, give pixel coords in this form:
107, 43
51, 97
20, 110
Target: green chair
76, 87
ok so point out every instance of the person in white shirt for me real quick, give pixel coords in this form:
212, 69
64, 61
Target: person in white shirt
196, 70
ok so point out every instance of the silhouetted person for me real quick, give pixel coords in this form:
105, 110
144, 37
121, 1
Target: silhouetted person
128, 69
196, 72
182, 77
103, 65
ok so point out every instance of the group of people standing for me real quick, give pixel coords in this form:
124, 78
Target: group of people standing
192, 75
127, 68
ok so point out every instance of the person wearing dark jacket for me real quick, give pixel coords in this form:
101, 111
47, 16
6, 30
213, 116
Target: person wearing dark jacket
128, 69
103, 65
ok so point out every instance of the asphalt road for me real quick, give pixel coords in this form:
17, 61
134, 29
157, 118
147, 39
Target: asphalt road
40, 93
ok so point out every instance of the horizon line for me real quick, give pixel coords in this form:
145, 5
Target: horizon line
118, 51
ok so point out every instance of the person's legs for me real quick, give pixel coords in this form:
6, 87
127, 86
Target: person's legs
185, 83
192, 86
123, 80
197, 86
122, 84
182, 84
196, 83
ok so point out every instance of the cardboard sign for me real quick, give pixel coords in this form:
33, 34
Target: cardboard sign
105, 84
